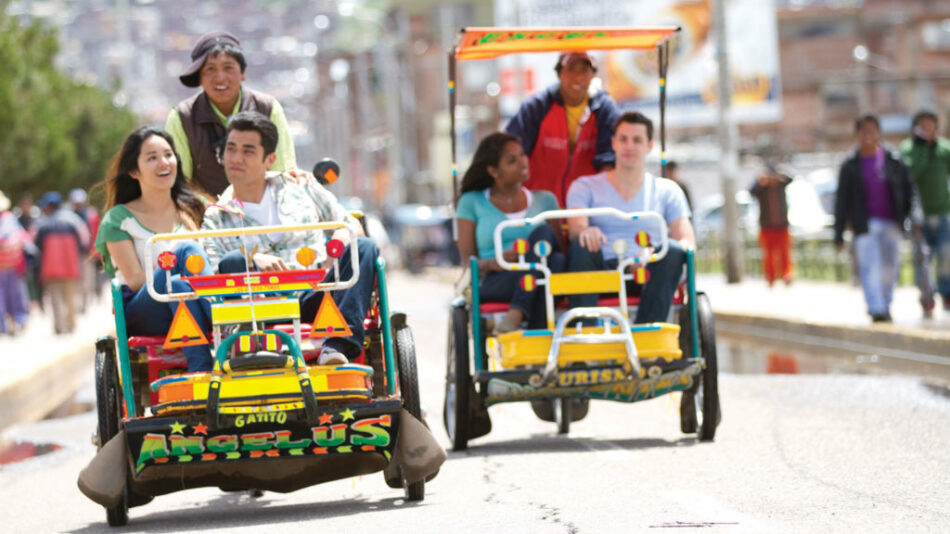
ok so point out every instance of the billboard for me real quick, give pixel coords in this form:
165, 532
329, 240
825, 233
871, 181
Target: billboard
631, 76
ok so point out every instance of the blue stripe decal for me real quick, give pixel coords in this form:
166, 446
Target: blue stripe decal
537, 333
645, 328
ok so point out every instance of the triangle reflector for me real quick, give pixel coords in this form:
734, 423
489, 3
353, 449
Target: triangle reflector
329, 321
184, 331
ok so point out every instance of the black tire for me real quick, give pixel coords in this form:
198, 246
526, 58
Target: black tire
563, 414
108, 402
699, 406
545, 410
458, 381
409, 389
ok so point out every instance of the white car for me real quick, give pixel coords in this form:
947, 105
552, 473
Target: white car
807, 216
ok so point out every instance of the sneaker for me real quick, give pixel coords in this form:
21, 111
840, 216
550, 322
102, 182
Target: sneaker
928, 309
880, 317
331, 356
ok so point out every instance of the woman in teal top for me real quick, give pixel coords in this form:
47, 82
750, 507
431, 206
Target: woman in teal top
146, 194
492, 192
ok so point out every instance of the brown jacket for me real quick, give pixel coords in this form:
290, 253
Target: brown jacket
206, 135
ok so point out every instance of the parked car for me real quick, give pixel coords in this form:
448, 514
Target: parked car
807, 215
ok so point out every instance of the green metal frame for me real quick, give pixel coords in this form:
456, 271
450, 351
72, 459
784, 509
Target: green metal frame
691, 306
386, 325
476, 316
222, 353
303, 377
125, 367
691, 290
122, 341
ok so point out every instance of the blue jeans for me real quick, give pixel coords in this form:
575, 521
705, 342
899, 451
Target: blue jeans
353, 302
876, 253
145, 316
501, 286
936, 233
656, 296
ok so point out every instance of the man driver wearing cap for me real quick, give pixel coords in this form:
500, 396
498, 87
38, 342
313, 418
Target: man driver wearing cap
564, 130
198, 125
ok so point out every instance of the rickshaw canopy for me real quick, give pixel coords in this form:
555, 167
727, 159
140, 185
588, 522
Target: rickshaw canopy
492, 42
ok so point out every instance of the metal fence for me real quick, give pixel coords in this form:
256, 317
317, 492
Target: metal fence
814, 259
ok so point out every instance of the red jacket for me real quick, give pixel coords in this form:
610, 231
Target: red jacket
541, 124
61, 237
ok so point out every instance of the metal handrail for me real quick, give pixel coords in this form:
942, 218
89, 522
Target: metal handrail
169, 296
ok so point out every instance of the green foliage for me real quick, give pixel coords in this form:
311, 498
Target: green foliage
55, 133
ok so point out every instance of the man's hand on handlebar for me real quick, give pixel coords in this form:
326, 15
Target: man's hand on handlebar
267, 262
592, 238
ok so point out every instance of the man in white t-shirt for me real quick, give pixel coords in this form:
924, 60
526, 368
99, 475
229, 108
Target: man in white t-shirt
628, 187
256, 198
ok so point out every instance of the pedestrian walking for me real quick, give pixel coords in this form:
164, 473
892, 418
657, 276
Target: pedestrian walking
90, 264
62, 238
564, 130
14, 300
774, 238
928, 156
27, 213
874, 198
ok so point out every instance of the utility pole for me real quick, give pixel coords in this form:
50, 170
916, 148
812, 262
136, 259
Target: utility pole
729, 159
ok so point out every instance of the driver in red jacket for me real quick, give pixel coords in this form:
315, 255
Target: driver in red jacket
564, 130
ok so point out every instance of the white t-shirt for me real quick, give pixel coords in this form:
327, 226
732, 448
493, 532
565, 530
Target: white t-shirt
657, 194
264, 212
517, 214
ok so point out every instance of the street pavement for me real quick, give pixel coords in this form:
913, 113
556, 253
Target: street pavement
794, 453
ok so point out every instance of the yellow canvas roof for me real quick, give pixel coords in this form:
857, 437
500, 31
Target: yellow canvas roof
491, 42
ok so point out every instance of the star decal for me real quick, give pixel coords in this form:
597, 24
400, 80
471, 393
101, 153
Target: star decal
177, 428
200, 428
326, 419
167, 260
347, 414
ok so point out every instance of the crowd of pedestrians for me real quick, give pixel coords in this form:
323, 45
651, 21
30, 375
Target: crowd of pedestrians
46, 263
883, 192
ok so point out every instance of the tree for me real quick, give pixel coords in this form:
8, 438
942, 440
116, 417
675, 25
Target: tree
55, 133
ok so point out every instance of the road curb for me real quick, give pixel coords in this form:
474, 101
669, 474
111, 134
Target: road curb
882, 336
42, 389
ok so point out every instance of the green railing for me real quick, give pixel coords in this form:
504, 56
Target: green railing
814, 259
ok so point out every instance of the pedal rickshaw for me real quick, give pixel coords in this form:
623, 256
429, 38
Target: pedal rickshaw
559, 369
267, 417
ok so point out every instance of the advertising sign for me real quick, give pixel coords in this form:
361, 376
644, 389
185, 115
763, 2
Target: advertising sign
631, 76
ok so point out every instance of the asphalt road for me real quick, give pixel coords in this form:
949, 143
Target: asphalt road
794, 453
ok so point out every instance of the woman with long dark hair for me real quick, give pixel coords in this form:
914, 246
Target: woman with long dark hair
492, 192
146, 194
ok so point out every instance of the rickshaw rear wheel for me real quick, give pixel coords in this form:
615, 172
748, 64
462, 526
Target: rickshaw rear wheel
458, 381
409, 390
108, 403
699, 405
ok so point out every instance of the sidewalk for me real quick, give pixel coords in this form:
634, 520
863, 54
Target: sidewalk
835, 312
40, 370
